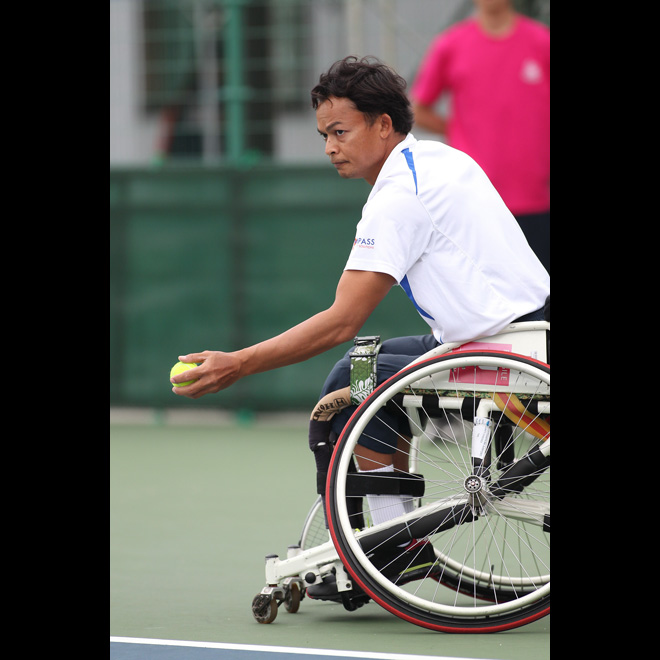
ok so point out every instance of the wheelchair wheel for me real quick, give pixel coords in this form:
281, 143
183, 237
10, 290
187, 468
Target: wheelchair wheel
476, 426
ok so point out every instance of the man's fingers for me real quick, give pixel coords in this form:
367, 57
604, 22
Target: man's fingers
193, 357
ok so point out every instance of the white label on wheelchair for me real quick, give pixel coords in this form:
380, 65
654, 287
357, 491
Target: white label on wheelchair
480, 437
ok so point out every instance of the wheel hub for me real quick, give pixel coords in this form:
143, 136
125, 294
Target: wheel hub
477, 491
474, 484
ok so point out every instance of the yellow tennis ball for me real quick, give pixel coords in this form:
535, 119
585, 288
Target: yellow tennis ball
180, 367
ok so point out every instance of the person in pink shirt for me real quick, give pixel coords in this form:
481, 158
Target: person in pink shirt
495, 66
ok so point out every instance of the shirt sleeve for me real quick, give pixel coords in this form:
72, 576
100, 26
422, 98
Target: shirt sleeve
392, 235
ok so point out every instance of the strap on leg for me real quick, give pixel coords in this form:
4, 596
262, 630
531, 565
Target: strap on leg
364, 358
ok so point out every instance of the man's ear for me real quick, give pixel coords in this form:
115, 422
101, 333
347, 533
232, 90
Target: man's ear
386, 127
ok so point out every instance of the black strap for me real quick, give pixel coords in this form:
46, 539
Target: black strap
378, 483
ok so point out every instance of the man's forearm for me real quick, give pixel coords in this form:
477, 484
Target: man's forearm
427, 118
314, 336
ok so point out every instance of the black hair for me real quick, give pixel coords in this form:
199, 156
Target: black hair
372, 86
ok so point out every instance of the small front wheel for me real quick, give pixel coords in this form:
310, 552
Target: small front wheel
292, 600
264, 608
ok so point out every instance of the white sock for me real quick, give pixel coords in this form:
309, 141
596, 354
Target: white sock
386, 507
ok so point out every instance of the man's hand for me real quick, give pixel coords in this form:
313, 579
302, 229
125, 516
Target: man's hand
216, 371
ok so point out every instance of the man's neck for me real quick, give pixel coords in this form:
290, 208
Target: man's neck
497, 23
392, 141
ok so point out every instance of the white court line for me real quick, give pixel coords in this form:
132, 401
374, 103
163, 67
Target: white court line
283, 649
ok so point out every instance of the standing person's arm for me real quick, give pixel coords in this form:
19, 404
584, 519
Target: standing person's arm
430, 83
358, 294
427, 118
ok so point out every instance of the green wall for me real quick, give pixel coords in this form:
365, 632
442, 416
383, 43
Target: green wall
220, 258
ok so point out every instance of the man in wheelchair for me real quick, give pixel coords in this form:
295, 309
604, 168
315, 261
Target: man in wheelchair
432, 224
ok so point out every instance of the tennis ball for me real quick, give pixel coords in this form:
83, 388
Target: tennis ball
180, 367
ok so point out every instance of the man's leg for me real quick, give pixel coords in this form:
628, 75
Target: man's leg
381, 447
385, 507
384, 445
394, 355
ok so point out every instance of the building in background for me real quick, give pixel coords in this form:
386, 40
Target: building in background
212, 81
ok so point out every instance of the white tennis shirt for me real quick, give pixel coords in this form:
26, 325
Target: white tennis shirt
436, 224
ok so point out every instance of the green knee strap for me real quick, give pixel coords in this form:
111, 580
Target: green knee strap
364, 357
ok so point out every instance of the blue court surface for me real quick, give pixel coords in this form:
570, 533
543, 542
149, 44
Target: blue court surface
160, 649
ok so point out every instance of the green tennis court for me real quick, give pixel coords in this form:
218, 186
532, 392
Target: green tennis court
194, 508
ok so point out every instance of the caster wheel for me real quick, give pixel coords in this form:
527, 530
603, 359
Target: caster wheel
292, 600
264, 608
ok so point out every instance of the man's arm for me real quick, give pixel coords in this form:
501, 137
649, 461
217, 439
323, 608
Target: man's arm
358, 294
427, 118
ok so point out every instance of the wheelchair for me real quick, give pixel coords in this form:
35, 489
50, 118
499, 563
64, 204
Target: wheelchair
478, 451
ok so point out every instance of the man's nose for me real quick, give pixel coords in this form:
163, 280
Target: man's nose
330, 146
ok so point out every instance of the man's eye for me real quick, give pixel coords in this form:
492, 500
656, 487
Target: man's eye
338, 133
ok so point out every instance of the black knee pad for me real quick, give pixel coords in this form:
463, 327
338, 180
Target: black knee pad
319, 443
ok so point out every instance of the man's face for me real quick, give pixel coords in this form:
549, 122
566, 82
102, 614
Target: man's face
356, 148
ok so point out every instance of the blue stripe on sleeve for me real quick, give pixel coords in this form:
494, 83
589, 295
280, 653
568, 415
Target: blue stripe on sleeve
411, 164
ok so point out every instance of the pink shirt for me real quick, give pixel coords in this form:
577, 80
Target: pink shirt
500, 104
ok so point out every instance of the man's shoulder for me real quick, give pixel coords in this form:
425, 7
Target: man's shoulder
455, 34
534, 28
413, 156
436, 154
